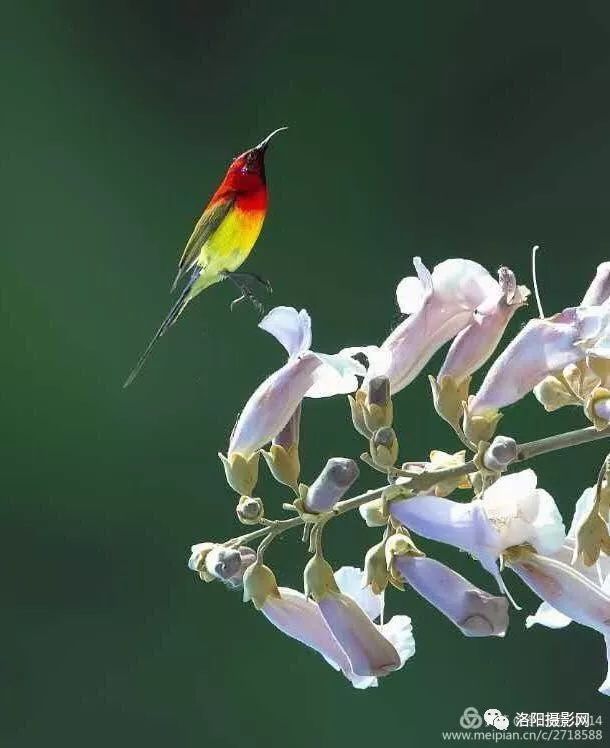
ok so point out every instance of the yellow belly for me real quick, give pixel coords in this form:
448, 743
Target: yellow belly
232, 241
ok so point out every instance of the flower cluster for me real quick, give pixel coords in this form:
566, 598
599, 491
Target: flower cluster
498, 515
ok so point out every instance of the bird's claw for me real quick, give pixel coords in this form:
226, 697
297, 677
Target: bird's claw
252, 299
235, 302
243, 281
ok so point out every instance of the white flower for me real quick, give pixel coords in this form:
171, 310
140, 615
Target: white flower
440, 304
523, 513
306, 374
352, 643
512, 511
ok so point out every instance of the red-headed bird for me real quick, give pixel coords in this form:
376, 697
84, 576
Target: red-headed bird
223, 237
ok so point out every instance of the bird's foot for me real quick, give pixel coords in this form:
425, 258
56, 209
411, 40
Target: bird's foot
245, 283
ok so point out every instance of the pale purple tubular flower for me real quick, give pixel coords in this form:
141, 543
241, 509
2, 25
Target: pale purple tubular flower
302, 619
306, 374
597, 573
475, 344
296, 616
512, 511
474, 611
567, 592
439, 304
543, 346
465, 526
599, 290
350, 613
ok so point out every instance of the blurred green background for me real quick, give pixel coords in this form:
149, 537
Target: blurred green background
470, 129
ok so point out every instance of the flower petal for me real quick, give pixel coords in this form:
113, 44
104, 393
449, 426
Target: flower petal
272, 404
522, 513
412, 292
581, 510
599, 290
350, 579
507, 486
291, 328
542, 347
441, 307
399, 632
296, 616
336, 375
474, 611
463, 525
565, 589
368, 651
546, 615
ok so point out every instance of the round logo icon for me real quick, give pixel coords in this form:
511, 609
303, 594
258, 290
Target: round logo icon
471, 719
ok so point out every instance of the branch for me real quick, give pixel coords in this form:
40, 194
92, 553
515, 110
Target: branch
426, 480
560, 441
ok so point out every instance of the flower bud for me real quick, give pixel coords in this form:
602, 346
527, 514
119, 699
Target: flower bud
553, 393
480, 427
375, 568
241, 473
283, 455
222, 562
374, 513
378, 410
196, 561
259, 584
318, 578
248, 557
384, 447
250, 510
597, 408
356, 404
500, 453
449, 396
338, 475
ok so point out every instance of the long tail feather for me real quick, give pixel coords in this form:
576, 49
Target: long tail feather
173, 315
176, 279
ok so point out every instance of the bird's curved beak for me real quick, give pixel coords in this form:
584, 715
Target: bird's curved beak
262, 146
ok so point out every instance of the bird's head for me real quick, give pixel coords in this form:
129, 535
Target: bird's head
248, 169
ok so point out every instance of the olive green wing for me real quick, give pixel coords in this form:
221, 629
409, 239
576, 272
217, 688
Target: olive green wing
211, 219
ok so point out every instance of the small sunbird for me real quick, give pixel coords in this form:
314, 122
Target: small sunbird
223, 237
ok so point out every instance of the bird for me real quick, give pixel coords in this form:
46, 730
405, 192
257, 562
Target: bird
222, 238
